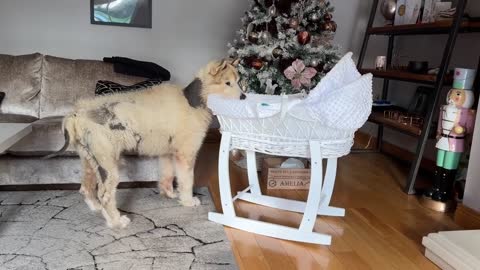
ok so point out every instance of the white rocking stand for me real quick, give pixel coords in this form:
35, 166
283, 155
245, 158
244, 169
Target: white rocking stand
318, 201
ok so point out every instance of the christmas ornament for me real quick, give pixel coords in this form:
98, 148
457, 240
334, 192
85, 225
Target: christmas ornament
272, 11
299, 75
323, 26
334, 26
330, 26
327, 17
303, 37
256, 63
388, 9
253, 37
314, 17
277, 52
294, 23
265, 37
314, 63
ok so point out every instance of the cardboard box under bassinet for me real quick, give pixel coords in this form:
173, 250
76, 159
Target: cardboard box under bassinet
277, 178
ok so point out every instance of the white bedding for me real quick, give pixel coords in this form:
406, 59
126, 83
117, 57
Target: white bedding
342, 100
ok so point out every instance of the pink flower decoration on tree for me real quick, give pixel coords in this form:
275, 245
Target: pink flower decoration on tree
299, 75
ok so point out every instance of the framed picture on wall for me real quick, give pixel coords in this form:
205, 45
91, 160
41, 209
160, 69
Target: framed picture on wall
131, 13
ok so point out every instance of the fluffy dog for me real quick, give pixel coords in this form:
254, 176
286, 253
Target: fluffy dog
165, 121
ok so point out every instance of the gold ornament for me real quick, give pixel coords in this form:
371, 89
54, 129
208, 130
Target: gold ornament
277, 52
294, 23
330, 26
334, 26
253, 37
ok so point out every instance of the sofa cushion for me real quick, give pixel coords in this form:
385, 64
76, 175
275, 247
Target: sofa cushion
20, 79
66, 81
46, 138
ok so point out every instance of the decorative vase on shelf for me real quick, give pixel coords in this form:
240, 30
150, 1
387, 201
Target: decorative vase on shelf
388, 9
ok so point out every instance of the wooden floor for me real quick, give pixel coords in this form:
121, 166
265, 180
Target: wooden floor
382, 228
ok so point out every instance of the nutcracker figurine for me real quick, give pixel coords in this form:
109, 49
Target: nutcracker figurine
456, 121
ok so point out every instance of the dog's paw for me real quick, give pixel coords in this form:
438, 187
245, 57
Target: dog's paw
191, 202
172, 194
122, 223
166, 188
94, 205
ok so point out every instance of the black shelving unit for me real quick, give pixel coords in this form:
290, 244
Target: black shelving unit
452, 29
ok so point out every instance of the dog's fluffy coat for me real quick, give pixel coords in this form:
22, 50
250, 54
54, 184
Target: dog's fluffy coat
165, 121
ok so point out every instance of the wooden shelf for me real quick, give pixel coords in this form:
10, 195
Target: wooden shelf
402, 75
377, 118
424, 28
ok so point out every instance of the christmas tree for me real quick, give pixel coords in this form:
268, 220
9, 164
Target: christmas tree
285, 45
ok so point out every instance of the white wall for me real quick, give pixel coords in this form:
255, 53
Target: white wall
185, 34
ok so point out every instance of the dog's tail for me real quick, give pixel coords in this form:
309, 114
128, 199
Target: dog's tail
68, 127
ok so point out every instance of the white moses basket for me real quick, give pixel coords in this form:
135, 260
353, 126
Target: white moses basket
320, 125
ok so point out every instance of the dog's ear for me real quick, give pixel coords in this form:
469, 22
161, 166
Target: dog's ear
217, 68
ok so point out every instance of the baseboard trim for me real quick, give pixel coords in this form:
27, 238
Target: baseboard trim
467, 218
362, 139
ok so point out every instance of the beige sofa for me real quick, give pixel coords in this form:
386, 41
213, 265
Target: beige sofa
40, 89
